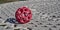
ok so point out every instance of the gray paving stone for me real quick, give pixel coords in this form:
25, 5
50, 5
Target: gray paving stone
42, 10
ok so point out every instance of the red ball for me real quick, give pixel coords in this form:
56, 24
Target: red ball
23, 15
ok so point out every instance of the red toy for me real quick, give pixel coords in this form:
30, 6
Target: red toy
23, 15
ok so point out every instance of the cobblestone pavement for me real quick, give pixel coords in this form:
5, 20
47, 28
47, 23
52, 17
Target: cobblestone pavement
46, 15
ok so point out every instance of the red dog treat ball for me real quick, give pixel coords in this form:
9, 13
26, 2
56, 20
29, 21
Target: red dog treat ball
23, 15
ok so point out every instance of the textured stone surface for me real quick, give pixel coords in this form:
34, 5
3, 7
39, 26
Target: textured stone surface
46, 14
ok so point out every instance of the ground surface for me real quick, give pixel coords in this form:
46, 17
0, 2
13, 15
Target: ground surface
46, 14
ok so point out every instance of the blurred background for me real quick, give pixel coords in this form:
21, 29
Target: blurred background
6, 1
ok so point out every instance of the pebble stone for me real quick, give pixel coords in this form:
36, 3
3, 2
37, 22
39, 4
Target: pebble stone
29, 28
